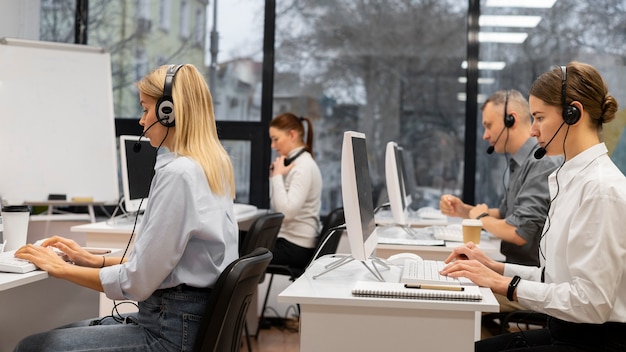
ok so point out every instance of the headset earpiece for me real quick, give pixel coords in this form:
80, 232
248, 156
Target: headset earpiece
165, 105
571, 114
509, 119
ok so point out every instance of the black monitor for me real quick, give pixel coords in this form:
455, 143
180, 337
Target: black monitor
137, 169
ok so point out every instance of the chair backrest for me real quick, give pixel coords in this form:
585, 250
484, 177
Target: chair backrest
262, 233
335, 218
223, 323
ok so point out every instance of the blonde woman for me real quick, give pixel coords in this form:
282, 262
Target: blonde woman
188, 234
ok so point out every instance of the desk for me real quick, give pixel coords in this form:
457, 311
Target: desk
331, 319
34, 302
91, 216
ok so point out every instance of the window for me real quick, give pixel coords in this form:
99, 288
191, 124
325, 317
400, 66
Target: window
165, 14
184, 23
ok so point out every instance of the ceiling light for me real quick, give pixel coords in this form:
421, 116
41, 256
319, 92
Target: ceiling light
502, 37
480, 98
481, 80
543, 4
487, 65
509, 21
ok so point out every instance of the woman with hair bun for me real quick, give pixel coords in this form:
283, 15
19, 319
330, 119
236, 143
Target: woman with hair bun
581, 282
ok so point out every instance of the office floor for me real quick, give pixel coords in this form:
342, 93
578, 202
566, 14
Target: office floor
274, 340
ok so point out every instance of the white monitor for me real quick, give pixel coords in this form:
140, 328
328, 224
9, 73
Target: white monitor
356, 191
395, 176
137, 170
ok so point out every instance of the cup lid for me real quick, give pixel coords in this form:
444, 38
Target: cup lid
15, 208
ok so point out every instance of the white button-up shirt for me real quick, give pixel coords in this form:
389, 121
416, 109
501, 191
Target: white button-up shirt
583, 248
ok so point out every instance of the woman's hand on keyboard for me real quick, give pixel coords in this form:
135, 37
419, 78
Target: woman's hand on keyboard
74, 252
43, 257
471, 251
480, 274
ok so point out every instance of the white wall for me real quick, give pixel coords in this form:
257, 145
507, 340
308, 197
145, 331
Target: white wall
20, 19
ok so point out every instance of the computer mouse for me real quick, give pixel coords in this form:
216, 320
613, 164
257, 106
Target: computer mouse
398, 259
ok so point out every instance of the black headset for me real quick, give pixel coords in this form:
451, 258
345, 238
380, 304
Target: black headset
165, 104
509, 119
571, 114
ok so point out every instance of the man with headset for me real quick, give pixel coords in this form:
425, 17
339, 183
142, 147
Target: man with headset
519, 219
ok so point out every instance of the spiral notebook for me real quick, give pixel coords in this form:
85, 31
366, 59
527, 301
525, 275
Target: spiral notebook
397, 290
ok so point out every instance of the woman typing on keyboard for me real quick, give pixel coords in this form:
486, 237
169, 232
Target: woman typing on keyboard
582, 278
188, 233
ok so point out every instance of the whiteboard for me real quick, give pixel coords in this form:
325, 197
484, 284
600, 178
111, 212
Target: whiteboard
57, 126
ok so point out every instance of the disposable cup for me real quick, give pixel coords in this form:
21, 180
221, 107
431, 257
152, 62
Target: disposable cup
471, 230
15, 225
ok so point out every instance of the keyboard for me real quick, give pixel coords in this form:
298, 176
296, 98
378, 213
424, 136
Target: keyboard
412, 218
430, 213
452, 232
10, 264
425, 272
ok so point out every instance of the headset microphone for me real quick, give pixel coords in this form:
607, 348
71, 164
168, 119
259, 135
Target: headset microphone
541, 151
491, 147
137, 146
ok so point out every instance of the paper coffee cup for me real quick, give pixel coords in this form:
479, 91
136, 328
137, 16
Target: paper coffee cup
471, 230
15, 225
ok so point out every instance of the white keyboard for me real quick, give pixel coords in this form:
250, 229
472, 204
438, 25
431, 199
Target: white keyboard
430, 213
10, 264
452, 232
425, 272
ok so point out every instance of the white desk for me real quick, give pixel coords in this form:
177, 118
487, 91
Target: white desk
331, 319
51, 215
34, 302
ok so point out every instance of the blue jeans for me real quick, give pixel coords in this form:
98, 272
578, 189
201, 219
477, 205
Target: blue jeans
167, 321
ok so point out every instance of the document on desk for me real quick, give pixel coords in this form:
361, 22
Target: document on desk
399, 290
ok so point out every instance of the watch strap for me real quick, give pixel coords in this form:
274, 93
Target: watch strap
482, 215
512, 286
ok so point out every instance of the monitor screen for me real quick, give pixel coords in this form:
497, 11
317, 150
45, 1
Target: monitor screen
137, 170
356, 190
395, 177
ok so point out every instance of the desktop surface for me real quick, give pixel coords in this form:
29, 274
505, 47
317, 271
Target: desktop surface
354, 323
335, 288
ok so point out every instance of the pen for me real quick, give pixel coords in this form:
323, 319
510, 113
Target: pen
436, 287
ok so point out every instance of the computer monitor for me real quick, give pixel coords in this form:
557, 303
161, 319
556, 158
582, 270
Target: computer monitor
137, 169
395, 177
356, 191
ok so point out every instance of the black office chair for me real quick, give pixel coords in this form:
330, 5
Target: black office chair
327, 243
262, 233
223, 322
525, 317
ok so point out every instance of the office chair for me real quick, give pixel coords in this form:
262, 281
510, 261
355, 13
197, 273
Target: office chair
223, 322
327, 243
526, 317
262, 233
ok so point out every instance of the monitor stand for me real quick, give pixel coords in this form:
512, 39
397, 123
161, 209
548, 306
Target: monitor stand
125, 217
345, 259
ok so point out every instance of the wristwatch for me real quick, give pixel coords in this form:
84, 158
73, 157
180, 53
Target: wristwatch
482, 215
512, 286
